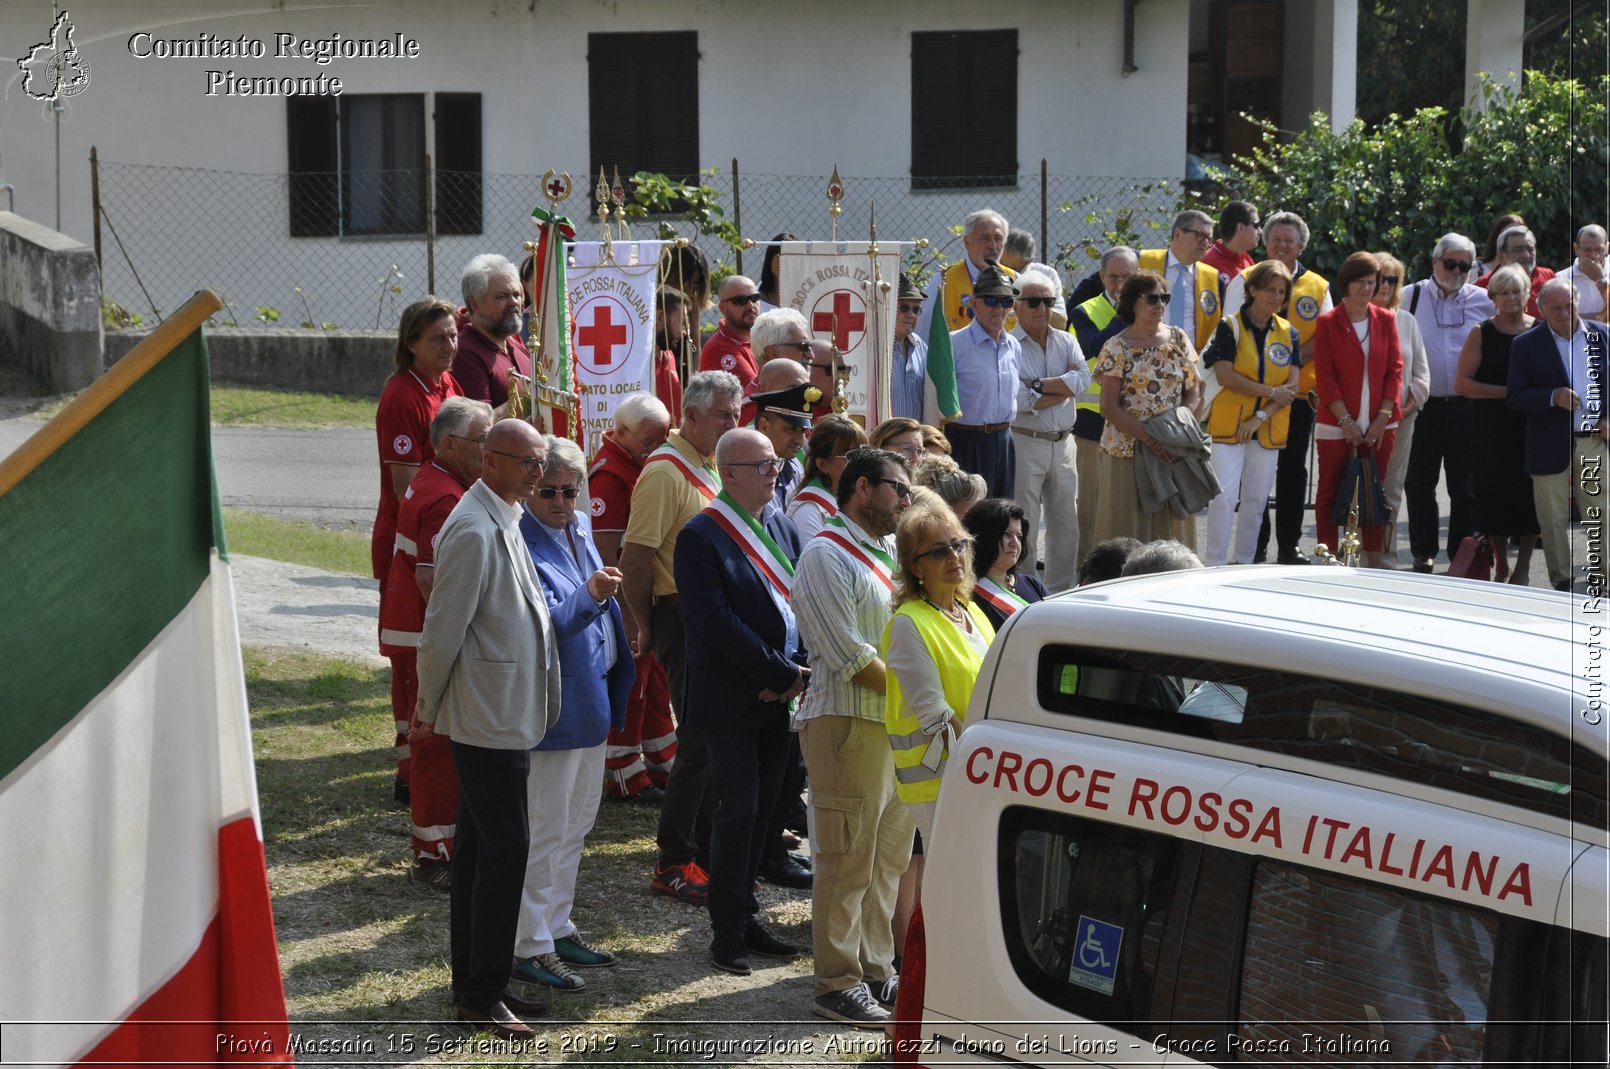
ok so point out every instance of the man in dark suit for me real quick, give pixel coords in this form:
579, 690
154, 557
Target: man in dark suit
489, 679
1558, 375
744, 669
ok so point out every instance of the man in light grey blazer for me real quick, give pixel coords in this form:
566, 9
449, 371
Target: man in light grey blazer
489, 679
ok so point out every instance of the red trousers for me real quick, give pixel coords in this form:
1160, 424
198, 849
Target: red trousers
640, 753
427, 768
1333, 454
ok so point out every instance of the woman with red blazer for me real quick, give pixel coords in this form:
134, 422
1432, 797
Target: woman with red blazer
1359, 372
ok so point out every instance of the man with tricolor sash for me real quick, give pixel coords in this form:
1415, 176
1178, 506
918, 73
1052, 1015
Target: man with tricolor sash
679, 478
745, 668
863, 831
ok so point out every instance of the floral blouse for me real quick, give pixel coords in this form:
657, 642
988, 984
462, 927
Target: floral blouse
1154, 381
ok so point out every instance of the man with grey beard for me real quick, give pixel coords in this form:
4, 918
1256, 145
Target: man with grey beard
489, 344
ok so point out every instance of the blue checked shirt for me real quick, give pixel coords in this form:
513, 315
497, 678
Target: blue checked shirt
842, 609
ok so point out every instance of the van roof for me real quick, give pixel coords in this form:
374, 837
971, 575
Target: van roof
1527, 653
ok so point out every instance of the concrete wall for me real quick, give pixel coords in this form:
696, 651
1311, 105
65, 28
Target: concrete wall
50, 306
351, 362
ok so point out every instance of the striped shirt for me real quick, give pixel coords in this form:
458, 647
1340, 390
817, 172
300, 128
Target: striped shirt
842, 608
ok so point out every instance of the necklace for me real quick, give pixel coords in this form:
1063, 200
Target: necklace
954, 613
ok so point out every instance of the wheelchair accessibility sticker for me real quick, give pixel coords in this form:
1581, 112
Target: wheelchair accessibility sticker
1095, 955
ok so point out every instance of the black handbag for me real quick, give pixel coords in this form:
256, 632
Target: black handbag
1361, 480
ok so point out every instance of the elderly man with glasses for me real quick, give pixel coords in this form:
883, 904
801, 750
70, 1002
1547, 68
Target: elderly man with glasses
1446, 307
1196, 288
984, 240
987, 361
728, 348
909, 366
1518, 246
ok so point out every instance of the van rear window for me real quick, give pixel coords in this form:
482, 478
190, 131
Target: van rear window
1348, 723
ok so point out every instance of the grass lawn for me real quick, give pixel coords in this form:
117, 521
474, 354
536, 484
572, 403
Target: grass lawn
253, 534
364, 950
243, 406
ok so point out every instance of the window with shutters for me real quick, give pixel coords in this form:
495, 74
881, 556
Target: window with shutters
964, 109
357, 164
643, 103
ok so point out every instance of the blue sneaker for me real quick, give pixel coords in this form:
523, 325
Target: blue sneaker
548, 970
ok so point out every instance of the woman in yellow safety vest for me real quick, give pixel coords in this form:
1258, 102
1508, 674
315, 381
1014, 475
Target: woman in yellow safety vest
1254, 359
932, 648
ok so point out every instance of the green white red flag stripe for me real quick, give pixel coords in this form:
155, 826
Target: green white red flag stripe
137, 921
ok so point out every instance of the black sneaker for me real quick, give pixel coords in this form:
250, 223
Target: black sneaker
762, 942
885, 992
853, 1006
437, 875
727, 953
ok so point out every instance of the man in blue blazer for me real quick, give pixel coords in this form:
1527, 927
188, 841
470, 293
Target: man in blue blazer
744, 670
1558, 375
596, 671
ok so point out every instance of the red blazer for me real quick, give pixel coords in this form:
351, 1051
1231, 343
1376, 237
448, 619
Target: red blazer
1339, 364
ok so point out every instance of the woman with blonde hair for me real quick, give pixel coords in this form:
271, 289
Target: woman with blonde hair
899, 435
1416, 387
959, 489
933, 646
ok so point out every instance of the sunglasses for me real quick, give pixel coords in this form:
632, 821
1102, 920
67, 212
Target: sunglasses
1040, 302
997, 302
529, 463
548, 493
747, 298
909, 309
1461, 266
946, 550
901, 490
804, 348
1157, 298
1389, 280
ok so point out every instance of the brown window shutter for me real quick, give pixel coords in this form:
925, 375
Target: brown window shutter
458, 163
312, 166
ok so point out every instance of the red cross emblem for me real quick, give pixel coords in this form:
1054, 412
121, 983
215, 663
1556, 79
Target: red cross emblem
603, 334
555, 188
843, 313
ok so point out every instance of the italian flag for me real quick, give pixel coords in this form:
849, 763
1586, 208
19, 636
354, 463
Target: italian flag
941, 401
134, 910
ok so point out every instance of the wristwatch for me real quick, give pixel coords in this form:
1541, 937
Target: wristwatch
1261, 416
1038, 385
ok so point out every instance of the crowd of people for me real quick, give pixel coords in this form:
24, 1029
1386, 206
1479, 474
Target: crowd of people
743, 599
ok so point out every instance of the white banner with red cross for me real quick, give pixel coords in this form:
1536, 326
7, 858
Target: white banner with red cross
611, 326
847, 298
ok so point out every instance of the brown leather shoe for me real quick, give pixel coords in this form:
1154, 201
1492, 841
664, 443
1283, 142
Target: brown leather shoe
499, 1020
525, 1007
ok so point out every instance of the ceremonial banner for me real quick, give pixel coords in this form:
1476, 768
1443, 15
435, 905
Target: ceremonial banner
552, 356
836, 286
611, 326
137, 924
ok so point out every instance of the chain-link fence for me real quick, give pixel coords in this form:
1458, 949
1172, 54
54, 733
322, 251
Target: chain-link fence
350, 250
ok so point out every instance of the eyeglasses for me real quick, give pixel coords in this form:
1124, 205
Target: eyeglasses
1040, 302
901, 490
548, 493
465, 438
1201, 235
529, 463
946, 550
910, 452
762, 467
909, 309
1157, 298
1389, 280
997, 302
744, 298
1461, 266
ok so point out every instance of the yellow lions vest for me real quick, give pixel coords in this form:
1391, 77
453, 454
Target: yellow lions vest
1100, 311
958, 665
1208, 308
1272, 367
959, 295
1303, 307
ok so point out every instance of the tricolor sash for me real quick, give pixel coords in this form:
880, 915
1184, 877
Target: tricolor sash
818, 496
1002, 598
875, 560
757, 544
703, 479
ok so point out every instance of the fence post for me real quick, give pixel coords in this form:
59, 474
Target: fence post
737, 213
1045, 231
430, 225
95, 206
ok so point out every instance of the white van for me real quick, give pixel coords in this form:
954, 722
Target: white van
1273, 815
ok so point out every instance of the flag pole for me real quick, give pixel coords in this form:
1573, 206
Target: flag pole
103, 391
